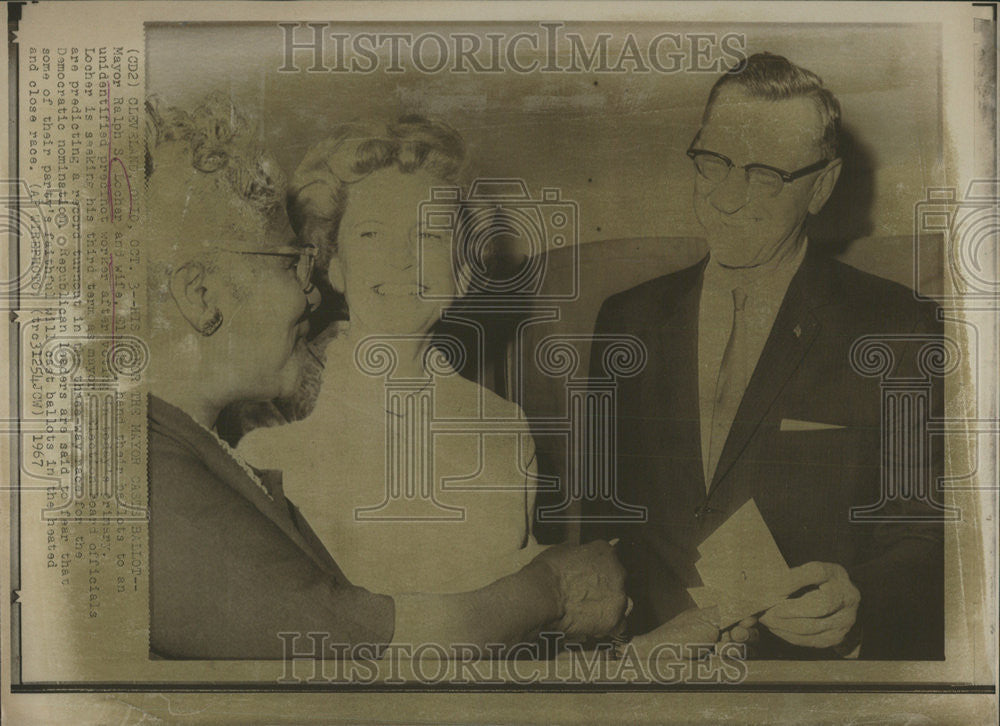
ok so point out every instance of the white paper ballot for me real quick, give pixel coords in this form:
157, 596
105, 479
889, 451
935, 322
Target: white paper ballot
741, 568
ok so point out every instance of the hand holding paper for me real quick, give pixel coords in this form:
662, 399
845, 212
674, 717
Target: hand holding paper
744, 573
741, 568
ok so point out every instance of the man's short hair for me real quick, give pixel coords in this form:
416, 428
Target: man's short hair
775, 78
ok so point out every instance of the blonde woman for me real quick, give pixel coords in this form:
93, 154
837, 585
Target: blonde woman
397, 505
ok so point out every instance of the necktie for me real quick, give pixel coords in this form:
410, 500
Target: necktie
730, 386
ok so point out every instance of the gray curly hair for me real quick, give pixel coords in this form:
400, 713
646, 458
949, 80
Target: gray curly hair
221, 139
193, 159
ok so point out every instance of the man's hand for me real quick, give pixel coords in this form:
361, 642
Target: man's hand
821, 618
590, 585
744, 631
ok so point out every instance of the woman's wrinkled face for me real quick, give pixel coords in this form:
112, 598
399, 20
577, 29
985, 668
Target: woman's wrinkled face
263, 309
389, 265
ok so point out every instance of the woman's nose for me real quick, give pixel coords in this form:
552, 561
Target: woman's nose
732, 193
405, 256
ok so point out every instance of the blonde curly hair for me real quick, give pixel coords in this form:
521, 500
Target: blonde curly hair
317, 194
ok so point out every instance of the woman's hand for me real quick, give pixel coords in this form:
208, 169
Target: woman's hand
578, 590
589, 587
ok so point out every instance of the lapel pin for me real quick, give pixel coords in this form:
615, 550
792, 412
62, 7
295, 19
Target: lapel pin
798, 331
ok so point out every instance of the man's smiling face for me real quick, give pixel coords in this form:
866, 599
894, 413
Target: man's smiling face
745, 229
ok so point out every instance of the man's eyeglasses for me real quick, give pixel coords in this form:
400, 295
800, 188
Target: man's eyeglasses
304, 255
762, 180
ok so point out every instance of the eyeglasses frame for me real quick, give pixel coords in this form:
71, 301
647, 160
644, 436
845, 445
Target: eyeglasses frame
299, 251
786, 176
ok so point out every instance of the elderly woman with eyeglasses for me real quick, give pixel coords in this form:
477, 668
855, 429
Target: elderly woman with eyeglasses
232, 562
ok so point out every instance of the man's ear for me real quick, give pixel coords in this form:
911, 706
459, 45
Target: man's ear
823, 187
189, 288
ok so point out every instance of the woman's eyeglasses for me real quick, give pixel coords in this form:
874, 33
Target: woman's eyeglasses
762, 180
305, 256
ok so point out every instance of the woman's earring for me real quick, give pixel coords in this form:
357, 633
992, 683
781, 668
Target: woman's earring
211, 325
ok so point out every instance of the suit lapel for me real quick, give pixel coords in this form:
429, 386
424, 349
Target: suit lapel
671, 393
794, 330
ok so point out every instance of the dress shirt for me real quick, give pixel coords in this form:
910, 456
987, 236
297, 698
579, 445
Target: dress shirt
765, 287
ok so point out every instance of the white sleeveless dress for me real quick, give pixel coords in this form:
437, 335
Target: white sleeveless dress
411, 487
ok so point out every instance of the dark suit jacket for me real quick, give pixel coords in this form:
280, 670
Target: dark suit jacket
804, 482
232, 567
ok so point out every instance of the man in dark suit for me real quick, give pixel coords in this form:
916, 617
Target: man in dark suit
749, 392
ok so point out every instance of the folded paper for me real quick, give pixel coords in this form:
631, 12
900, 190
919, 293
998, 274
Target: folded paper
741, 568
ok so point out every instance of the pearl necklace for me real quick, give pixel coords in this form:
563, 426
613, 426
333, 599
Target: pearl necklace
240, 462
